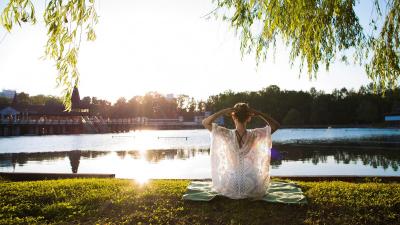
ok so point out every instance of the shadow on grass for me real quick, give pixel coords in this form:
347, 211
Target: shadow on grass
222, 210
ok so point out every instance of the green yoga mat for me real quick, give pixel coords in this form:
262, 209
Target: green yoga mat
278, 192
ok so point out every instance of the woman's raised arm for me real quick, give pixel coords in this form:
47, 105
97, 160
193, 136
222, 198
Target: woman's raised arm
268, 119
207, 122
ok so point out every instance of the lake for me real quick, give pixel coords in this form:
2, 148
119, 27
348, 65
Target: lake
185, 153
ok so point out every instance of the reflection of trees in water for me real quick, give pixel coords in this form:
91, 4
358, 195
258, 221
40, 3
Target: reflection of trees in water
173, 154
156, 155
378, 157
191, 153
134, 154
385, 158
93, 154
121, 154
20, 159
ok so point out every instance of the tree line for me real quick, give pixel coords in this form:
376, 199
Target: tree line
298, 108
292, 108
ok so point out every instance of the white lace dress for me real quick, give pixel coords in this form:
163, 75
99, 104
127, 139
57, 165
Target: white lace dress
240, 172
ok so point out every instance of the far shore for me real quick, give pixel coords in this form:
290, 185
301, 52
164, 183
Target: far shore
339, 126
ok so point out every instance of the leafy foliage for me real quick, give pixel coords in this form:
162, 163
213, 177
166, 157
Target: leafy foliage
341, 107
17, 11
65, 22
317, 31
293, 117
113, 201
384, 67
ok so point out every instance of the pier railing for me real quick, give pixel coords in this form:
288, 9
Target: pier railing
39, 122
86, 124
96, 120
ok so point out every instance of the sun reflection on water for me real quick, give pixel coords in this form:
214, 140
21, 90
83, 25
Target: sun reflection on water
146, 155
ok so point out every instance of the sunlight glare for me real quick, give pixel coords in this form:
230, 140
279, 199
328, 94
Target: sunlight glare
141, 179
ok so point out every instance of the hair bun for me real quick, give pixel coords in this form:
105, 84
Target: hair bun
241, 111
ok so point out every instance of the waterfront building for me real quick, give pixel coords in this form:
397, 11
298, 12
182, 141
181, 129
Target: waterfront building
393, 118
21, 118
9, 113
8, 93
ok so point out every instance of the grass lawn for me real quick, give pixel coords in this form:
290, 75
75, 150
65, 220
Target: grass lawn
114, 201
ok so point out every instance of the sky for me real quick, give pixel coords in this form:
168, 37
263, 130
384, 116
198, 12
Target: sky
163, 46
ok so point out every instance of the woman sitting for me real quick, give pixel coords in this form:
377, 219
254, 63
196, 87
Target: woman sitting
240, 158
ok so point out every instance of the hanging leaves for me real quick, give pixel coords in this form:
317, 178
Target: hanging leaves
384, 67
17, 11
65, 22
317, 32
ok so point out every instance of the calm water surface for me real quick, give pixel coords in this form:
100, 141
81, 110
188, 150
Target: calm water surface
185, 153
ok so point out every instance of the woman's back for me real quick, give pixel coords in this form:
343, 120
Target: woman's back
240, 171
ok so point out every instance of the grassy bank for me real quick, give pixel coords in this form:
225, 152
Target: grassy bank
116, 201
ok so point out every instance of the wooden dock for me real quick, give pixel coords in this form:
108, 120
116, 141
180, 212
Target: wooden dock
86, 125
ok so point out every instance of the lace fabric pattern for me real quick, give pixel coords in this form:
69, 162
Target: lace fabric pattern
240, 172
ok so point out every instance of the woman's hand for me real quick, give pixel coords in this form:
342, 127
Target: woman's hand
229, 111
254, 112
268, 119
207, 122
